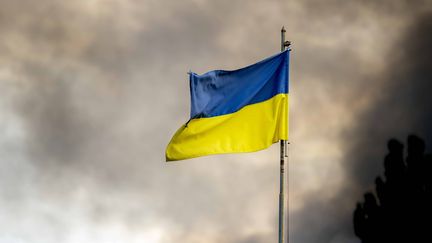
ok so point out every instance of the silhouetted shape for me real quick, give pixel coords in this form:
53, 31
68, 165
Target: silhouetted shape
401, 211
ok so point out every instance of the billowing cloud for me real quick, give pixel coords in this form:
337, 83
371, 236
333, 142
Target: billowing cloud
91, 92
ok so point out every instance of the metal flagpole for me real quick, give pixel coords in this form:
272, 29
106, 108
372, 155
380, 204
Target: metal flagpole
283, 154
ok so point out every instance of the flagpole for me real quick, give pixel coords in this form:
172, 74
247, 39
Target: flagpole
283, 154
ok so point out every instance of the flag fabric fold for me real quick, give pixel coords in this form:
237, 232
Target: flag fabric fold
244, 110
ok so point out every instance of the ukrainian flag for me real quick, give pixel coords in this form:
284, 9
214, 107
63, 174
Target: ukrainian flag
237, 111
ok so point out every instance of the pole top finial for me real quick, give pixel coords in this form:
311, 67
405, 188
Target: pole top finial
283, 29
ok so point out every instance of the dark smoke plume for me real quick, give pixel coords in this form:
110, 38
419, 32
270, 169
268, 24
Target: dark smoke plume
402, 105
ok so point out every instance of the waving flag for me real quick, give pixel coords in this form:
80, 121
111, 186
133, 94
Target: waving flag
244, 110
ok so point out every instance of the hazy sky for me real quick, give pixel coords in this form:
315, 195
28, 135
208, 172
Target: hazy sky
92, 91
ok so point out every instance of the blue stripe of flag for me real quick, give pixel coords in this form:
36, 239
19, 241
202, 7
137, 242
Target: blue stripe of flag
222, 92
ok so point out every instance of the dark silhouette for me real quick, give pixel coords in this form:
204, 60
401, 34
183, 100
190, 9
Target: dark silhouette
401, 211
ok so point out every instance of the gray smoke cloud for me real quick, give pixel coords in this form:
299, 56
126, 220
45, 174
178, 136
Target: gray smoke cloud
91, 92
402, 104
392, 102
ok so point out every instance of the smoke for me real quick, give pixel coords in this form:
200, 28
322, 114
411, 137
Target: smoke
400, 107
91, 92
389, 98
